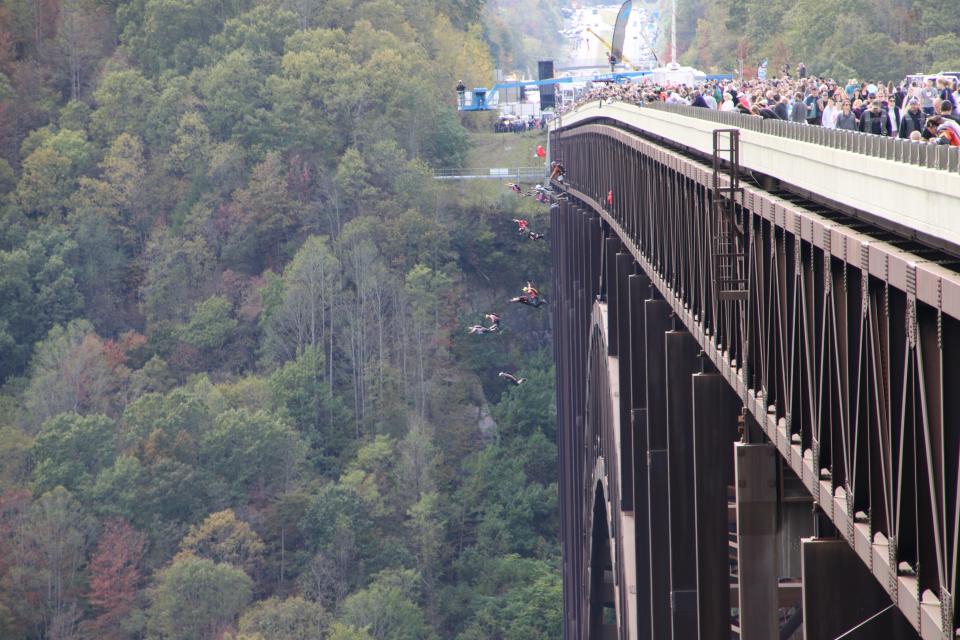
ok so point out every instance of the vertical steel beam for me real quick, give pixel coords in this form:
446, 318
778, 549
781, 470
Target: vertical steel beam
756, 487
656, 324
681, 362
839, 592
612, 248
715, 411
639, 289
641, 522
625, 267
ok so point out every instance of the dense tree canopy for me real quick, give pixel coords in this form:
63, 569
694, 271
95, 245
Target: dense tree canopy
872, 40
236, 399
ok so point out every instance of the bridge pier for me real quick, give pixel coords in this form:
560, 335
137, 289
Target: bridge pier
656, 324
624, 321
756, 489
715, 411
681, 362
639, 291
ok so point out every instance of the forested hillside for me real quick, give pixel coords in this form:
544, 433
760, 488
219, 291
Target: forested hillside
866, 39
238, 399
521, 32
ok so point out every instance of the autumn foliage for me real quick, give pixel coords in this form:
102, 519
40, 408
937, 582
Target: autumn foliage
114, 579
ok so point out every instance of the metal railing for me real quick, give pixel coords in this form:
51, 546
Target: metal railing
922, 154
516, 174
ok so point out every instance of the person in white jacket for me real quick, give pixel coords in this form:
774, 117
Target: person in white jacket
727, 104
830, 114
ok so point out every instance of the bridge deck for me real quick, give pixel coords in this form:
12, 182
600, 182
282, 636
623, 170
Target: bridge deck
914, 198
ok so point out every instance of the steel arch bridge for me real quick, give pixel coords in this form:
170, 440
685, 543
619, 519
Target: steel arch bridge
755, 430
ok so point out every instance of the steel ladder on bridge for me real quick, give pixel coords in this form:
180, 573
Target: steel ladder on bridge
729, 266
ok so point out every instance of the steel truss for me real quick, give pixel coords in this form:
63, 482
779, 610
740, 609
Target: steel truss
846, 353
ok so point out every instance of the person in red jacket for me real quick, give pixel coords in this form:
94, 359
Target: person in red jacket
610, 198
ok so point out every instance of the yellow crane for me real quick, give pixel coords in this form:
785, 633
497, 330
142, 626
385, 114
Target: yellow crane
609, 47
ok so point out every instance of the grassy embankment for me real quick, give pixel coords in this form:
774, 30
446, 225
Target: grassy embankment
507, 150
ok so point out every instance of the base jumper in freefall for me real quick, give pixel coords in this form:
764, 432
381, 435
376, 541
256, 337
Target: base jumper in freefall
479, 329
531, 297
512, 379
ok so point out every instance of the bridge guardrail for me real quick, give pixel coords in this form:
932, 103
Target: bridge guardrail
519, 174
897, 149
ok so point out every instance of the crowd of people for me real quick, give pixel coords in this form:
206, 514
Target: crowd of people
516, 124
919, 110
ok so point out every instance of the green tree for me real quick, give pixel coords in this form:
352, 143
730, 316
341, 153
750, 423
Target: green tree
174, 100
197, 599
425, 291
180, 411
302, 397
417, 463
251, 451
937, 17
223, 538
6, 88
234, 92
503, 512
75, 115
944, 52
153, 377
118, 490
124, 98
262, 30
71, 450
387, 609
262, 220
524, 410
8, 178
427, 531
178, 273
877, 56
210, 325
37, 290
51, 172
372, 475
124, 169
516, 598
340, 631
173, 32
190, 153
335, 506
291, 619
15, 447
298, 312
102, 265
158, 497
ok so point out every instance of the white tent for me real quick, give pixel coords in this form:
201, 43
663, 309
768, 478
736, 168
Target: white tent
673, 74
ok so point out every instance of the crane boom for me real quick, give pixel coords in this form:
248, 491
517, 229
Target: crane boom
608, 45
